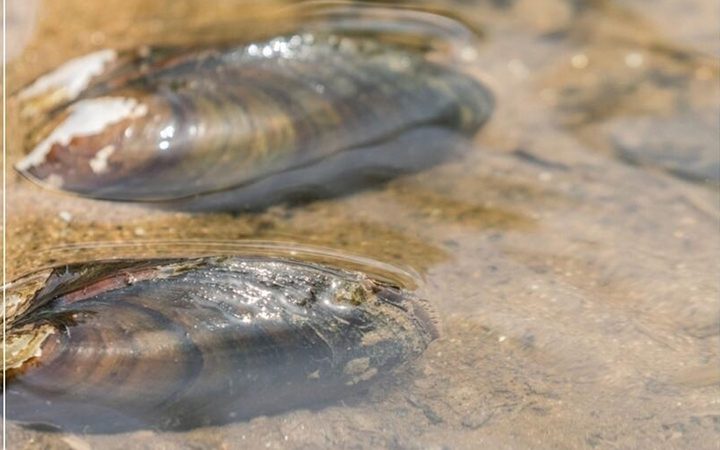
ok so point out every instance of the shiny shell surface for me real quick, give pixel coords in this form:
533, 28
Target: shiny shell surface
180, 343
238, 127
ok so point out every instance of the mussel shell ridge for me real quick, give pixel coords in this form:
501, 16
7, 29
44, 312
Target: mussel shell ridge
181, 343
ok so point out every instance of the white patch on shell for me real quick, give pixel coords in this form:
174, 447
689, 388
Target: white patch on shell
71, 77
25, 344
53, 180
86, 118
99, 164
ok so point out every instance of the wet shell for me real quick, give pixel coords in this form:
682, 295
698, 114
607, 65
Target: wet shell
243, 126
175, 344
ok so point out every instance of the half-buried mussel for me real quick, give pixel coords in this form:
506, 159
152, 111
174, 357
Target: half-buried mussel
180, 343
316, 112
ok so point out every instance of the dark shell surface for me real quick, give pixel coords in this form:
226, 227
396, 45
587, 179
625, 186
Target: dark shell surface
312, 113
181, 343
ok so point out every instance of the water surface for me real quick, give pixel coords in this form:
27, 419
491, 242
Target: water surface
572, 253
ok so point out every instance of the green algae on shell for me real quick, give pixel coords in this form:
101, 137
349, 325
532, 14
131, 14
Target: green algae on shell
321, 111
180, 343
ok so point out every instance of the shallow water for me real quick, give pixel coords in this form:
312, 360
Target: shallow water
572, 253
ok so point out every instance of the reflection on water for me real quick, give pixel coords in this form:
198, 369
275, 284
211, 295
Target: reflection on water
20, 23
572, 253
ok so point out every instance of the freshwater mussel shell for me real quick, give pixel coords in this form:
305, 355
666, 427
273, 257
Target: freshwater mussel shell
237, 127
181, 343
